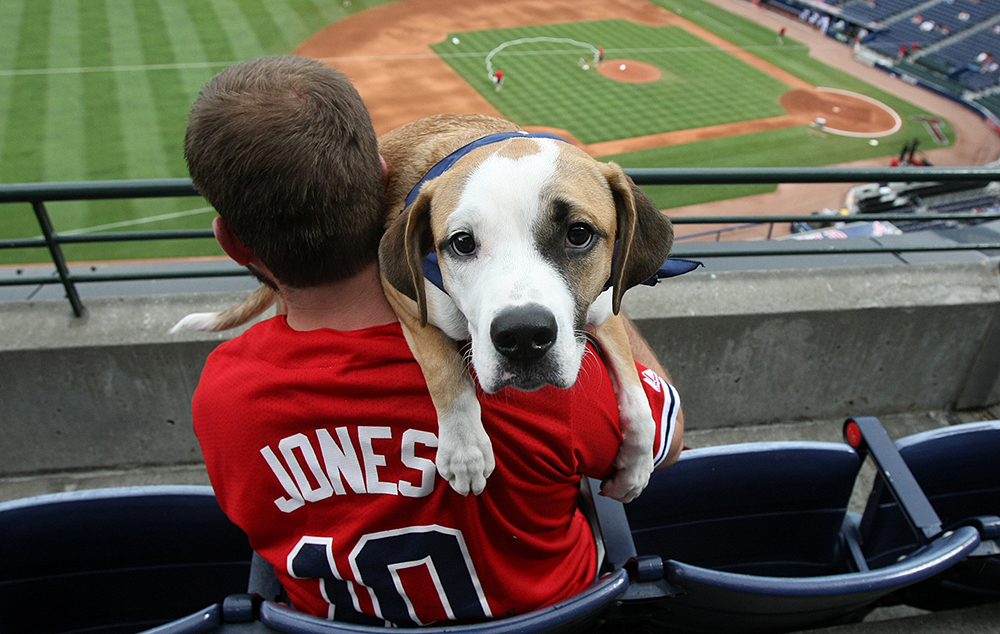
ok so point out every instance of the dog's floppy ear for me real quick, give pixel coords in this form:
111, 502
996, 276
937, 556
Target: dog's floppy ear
644, 235
404, 244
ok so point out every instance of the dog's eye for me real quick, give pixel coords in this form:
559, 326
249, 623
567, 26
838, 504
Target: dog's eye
579, 235
463, 243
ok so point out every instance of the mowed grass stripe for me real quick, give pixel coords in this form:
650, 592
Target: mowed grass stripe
18, 220
168, 89
214, 41
286, 20
310, 16
104, 142
186, 46
104, 138
238, 30
22, 160
64, 137
143, 153
10, 25
267, 32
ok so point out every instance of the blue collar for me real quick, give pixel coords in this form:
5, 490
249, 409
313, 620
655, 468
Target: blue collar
432, 271
445, 164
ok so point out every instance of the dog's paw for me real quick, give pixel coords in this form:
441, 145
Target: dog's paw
631, 477
466, 465
625, 485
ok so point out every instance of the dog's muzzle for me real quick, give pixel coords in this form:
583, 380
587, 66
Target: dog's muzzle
523, 335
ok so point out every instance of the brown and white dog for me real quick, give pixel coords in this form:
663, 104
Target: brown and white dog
524, 230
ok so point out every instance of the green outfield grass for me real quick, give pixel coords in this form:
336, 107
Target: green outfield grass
100, 89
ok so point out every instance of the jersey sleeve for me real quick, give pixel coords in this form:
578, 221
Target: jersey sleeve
596, 422
665, 402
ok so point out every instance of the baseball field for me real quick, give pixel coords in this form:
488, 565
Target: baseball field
100, 89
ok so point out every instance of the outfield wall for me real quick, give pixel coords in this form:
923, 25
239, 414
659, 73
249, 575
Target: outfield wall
112, 390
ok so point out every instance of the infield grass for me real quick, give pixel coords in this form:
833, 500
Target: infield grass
545, 83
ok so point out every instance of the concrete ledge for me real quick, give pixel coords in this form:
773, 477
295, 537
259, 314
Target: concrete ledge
112, 390
752, 347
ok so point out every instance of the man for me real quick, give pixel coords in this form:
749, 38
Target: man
316, 426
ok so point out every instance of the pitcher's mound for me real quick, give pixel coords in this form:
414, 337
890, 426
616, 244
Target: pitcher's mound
628, 70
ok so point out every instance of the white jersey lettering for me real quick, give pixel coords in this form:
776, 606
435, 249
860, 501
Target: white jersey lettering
426, 467
314, 471
373, 460
341, 461
294, 499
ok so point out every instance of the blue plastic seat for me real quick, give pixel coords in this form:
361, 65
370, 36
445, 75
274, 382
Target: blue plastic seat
761, 508
955, 468
115, 560
757, 538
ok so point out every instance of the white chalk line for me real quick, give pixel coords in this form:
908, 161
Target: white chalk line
129, 68
137, 221
532, 40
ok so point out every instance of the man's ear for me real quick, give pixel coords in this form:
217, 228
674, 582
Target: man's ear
231, 244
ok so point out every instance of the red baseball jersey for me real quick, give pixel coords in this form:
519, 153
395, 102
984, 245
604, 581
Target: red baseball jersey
320, 445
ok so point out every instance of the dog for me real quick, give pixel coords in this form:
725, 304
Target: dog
521, 244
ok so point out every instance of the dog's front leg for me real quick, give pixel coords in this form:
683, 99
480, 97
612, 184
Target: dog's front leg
464, 452
634, 462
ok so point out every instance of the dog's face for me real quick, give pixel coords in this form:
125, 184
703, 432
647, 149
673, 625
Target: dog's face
525, 234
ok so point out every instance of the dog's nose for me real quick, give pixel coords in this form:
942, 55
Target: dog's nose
524, 333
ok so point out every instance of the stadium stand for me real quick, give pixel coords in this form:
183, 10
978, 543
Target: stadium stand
951, 47
930, 25
878, 11
971, 60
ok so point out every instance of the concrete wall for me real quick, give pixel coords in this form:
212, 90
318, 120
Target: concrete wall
751, 347
112, 390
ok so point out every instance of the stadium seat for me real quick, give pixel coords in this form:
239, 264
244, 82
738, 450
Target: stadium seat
955, 467
115, 560
757, 538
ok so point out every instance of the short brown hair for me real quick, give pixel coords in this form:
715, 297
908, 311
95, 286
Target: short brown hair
284, 149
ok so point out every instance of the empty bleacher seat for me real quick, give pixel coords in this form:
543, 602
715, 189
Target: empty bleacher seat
757, 538
115, 560
955, 467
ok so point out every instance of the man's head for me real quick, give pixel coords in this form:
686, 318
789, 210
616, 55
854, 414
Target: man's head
284, 149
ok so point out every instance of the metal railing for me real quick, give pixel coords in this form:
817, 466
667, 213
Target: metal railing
38, 194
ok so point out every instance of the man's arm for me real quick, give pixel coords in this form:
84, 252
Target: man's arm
643, 354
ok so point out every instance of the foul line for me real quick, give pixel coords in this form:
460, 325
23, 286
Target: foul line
113, 69
137, 221
131, 68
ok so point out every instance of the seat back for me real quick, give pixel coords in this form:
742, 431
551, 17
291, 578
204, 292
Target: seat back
115, 560
758, 539
956, 469
761, 508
